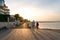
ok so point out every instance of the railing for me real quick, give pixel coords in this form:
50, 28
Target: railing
6, 24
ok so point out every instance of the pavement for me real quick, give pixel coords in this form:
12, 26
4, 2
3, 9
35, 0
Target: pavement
28, 34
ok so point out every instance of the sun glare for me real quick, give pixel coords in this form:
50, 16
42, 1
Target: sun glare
31, 13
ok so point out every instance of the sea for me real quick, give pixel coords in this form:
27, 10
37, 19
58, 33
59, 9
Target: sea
49, 25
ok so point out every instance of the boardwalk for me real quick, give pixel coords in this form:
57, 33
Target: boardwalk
29, 34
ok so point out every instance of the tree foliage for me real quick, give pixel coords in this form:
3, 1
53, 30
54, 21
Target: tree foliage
26, 20
16, 16
21, 18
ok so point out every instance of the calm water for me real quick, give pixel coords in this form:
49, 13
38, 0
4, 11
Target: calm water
50, 25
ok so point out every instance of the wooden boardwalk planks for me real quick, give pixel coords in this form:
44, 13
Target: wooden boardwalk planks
28, 34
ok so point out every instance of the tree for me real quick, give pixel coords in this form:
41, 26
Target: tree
21, 18
16, 16
26, 20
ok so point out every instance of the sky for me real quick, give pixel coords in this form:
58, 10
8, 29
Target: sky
38, 10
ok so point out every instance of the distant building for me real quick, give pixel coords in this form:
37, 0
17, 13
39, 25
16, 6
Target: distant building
3, 8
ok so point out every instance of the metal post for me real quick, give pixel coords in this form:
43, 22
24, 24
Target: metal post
8, 22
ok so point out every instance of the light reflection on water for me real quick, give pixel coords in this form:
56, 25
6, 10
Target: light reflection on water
49, 25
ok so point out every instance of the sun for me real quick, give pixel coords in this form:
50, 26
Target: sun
31, 13
27, 13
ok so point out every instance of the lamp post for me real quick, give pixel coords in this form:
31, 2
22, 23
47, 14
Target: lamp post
8, 21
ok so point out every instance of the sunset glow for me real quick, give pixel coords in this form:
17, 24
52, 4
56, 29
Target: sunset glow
39, 10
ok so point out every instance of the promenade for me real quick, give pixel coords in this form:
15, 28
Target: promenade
29, 34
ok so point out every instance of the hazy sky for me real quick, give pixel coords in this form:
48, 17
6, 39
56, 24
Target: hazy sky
40, 10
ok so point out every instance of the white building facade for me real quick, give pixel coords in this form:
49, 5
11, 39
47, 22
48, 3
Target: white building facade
3, 8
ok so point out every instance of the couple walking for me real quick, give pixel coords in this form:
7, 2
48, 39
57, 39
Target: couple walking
35, 24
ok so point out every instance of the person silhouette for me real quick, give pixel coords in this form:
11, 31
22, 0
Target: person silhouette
33, 24
37, 24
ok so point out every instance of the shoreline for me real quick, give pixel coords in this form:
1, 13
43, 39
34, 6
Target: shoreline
55, 30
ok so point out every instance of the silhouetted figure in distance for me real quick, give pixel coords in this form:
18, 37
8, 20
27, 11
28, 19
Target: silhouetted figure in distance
33, 24
37, 24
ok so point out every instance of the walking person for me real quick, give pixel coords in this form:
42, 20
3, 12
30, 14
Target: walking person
37, 24
33, 24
